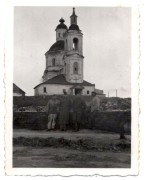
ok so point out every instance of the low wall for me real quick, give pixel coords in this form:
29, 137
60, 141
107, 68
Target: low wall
107, 121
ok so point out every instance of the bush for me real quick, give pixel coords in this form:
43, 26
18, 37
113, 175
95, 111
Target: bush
112, 103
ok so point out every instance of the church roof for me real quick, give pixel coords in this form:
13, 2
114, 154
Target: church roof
57, 46
74, 27
60, 79
61, 25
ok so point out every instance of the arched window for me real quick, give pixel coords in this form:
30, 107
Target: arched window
53, 62
75, 67
75, 44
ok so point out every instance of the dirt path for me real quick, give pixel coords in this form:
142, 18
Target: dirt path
83, 149
96, 134
67, 158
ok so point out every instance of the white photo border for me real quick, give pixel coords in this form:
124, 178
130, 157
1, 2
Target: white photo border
134, 93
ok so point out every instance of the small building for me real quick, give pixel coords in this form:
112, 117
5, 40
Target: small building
65, 62
17, 91
100, 93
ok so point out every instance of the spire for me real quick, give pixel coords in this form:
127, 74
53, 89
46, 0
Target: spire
74, 11
73, 17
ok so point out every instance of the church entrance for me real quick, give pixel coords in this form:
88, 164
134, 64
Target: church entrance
78, 90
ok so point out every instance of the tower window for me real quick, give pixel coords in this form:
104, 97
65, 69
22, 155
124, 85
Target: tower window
75, 68
44, 89
75, 44
88, 92
53, 62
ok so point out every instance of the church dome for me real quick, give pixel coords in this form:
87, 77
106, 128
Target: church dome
74, 27
61, 25
58, 45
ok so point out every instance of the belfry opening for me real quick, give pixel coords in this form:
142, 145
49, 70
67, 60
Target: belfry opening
75, 44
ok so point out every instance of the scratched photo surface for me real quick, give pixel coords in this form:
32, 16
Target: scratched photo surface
72, 87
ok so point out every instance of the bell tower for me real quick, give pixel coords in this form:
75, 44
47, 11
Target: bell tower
74, 52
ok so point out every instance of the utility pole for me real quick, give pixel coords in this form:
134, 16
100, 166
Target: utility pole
116, 92
108, 93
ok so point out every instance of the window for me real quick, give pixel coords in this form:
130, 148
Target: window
75, 44
58, 34
88, 92
53, 62
64, 91
75, 68
44, 89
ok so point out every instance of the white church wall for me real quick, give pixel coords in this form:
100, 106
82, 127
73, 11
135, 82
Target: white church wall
79, 37
58, 59
58, 89
51, 89
71, 77
58, 56
70, 36
60, 34
88, 90
78, 76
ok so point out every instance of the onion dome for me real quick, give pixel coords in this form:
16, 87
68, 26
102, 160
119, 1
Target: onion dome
74, 27
61, 25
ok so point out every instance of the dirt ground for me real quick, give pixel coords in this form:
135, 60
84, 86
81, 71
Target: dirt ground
83, 149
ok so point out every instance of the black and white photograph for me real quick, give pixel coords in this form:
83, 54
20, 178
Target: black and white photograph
72, 87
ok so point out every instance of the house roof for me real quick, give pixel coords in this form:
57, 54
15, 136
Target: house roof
16, 89
60, 79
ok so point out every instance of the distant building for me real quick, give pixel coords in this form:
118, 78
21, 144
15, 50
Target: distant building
17, 91
64, 62
100, 93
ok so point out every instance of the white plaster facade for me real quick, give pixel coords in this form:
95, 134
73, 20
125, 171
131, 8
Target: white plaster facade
70, 75
60, 34
50, 89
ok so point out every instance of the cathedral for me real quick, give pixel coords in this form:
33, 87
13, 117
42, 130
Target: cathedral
64, 63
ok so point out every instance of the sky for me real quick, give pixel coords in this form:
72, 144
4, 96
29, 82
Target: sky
106, 45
